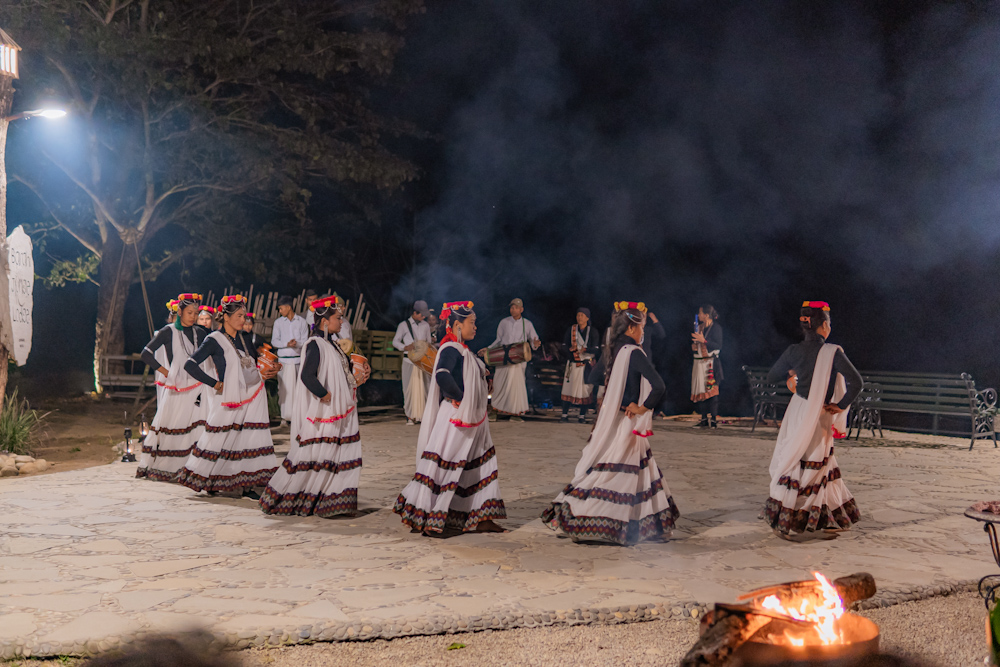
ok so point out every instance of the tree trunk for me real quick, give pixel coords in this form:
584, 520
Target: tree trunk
118, 270
6, 99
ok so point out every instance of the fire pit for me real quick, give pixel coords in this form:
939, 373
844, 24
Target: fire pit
802, 621
810, 626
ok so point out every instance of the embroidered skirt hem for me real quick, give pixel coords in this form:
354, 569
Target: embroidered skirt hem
817, 517
559, 516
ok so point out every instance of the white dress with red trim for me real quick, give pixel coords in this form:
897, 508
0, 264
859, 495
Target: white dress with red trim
618, 494
179, 420
456, 482
807, 492
236, 451
321, 472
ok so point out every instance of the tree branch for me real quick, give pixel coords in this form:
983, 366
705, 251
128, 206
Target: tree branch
93, 196
89, 244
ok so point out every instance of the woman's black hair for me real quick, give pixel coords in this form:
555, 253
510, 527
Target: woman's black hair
321, 314
620, 323
228, 309
710, 311
457, 314
811, 318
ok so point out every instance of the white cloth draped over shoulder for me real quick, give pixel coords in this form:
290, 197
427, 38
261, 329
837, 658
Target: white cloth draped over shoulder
456, 483
807, 492
617, 494
320, 474
236, 450
179, 421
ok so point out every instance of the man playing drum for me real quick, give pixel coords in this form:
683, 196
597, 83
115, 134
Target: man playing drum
510, 392
415, 381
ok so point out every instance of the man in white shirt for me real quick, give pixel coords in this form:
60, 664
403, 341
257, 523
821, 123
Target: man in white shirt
288, 337
510, 391
345, 326
415, 380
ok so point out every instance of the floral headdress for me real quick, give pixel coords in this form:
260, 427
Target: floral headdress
815, 305
172, 305
187, 299
460, 307
630, 305
326, 302
206, 309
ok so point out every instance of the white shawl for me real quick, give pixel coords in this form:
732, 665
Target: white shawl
471, 411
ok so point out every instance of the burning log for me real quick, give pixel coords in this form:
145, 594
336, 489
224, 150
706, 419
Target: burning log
726, 627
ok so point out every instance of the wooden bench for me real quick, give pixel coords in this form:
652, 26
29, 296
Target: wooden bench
769, 400
935, 394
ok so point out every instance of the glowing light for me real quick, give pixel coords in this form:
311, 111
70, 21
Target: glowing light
50, 113
823, 614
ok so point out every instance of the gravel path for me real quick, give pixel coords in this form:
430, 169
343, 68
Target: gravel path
943, 631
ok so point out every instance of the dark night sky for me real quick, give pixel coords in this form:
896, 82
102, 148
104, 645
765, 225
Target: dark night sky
750, 155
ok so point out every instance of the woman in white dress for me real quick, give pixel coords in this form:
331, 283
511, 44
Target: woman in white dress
618, 494
236, 453
180, 417
320, 474
455, 486
807, 493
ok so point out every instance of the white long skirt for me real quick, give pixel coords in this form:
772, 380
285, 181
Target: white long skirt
510, 393
236, 451
177, 426
574, 389
813, 496
622, 498
415, 382
287, 377
320, 474
456, 482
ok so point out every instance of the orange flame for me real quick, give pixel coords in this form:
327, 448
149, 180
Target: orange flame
823, 615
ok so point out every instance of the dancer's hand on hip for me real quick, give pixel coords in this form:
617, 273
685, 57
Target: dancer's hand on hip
635, 410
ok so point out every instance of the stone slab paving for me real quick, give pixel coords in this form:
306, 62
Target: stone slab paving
94, 557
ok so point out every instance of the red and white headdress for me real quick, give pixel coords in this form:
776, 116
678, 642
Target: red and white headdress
459, 307
630, 305
172, 305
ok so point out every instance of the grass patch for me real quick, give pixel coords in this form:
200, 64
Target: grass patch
19, 425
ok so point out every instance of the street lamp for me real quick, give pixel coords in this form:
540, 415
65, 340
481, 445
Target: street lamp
37, 113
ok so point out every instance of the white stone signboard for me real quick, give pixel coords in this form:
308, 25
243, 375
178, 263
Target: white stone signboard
21, 281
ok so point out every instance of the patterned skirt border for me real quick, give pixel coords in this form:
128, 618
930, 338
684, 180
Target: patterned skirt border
436, 522
224, 483
559, 516
309, 504
788, 520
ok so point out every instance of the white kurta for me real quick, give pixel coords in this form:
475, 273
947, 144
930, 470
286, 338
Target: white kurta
284, 332
456, 482
236, 450
510, 392
807, 492
415, 381
618, 494
179, 421
321, 472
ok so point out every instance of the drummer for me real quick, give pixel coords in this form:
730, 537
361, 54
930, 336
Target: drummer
415, 381
510, 389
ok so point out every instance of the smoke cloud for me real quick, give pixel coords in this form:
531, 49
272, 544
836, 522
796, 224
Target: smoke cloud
744, 154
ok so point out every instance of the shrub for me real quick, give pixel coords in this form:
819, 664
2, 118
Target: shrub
18, 425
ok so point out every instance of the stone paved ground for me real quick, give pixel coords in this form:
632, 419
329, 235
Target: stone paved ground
91, 558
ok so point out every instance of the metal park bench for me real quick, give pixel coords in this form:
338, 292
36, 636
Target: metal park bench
935, 394
769, 400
